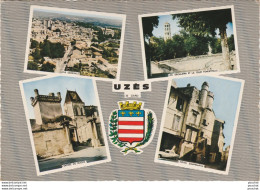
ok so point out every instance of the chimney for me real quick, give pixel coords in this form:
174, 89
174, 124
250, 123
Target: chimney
188, 85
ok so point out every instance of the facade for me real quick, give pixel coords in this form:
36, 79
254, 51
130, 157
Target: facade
55, 133
191, 126
167, 31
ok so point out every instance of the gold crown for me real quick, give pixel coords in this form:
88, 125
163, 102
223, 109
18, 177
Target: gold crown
130, 106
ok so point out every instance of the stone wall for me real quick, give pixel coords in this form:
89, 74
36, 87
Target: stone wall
51, 143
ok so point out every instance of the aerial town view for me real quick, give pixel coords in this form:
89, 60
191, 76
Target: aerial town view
82, 43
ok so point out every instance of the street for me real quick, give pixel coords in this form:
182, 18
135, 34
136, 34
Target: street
88, 154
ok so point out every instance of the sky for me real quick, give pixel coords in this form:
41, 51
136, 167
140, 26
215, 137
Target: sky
78, 13
159, 31
226, 95
84, 88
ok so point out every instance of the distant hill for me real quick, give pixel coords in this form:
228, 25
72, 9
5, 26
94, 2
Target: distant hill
104, 22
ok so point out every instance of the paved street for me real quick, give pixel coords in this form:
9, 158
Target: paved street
60, 66
88, 154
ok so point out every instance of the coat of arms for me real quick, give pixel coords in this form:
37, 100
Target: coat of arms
131, 127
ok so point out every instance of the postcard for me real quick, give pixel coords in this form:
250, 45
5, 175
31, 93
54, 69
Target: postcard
65, 123
189, 42
199, 123
74, 42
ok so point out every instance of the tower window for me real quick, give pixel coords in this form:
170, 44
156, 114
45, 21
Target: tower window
204, 122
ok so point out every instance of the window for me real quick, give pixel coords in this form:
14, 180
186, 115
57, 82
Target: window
193, 136
193, 118
82, 113
188, 135
204, 122
176, 122
180, 103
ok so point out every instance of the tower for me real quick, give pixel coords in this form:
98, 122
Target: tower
73, 105
167, 31
46, 107
204, 94
210, 100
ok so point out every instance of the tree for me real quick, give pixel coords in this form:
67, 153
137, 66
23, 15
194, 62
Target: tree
32, 66
148, 24
48, 67
36, 54
205, 23
231, 44
34, 44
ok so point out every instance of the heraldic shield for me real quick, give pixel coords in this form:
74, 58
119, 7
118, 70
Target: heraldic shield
131, 127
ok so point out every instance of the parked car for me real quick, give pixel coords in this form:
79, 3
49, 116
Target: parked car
168, 154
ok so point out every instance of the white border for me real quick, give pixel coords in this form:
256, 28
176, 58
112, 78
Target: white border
188, 11
32, 7
31, 136
233, 132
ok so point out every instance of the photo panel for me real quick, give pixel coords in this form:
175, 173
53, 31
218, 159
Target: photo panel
65, 123
189, 42
199, 123
74, 42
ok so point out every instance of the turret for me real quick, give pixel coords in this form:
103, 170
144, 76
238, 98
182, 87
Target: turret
36, 92
203, 94
210, 100
59, 95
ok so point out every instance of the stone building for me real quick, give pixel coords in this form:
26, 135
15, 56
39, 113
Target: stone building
167, 31
55, 133
191, 125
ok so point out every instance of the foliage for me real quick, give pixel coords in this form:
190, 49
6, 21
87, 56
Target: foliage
231, 43
34, 44
181, 45
113, 130
36, 54
48, 67
215, 44
32, 66
148, 24
204, 22
52, 50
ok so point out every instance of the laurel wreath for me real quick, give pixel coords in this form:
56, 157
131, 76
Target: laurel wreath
114, 134
113, 130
